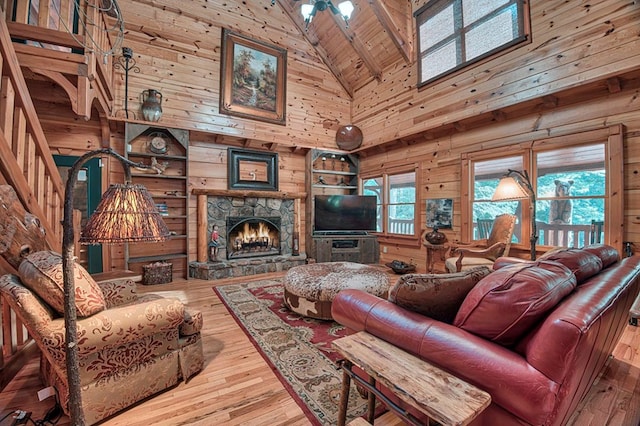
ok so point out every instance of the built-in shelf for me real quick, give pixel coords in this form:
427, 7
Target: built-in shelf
169, 153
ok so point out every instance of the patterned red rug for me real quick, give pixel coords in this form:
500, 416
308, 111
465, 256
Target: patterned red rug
297, 348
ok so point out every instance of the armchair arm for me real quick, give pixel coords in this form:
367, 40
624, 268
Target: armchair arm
491, 253
117, 326
118, 292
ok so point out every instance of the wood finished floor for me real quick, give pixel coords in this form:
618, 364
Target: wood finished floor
237, 387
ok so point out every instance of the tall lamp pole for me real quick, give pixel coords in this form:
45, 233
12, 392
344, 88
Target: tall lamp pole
125, 213
510, 189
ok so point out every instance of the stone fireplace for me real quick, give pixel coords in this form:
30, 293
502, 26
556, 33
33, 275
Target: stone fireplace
254, 234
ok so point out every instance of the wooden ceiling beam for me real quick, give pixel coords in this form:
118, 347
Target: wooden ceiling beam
315, 43
367, 58
401, 37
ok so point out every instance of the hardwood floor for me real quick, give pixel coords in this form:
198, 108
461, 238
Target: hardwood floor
237, 387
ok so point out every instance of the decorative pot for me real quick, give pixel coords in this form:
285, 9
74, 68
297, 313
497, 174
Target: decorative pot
435, 237
349, 137
151, 105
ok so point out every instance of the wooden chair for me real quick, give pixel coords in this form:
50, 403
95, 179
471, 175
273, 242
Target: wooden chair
484, 228
484, 252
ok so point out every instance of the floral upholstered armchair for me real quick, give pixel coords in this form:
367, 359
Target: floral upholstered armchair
130, 346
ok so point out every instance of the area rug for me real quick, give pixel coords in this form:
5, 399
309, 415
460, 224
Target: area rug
297, 348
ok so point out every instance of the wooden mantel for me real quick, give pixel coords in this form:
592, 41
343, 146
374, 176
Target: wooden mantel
202, 218
252, 194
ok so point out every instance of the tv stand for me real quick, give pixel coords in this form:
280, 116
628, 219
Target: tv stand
358, 247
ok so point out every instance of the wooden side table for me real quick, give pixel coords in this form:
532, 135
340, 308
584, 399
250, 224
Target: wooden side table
439, 395
432, 249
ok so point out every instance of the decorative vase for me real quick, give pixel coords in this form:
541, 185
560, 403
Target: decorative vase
435, 237
151, 105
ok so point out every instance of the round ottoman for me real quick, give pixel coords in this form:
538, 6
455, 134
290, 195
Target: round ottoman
310, 289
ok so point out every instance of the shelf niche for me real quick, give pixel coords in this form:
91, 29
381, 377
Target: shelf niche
167, 150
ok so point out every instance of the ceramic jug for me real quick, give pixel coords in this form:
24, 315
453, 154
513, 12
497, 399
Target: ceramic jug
151, 105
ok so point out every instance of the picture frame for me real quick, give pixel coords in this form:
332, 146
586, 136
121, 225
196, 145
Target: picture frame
254, 170
439, 213
252, 79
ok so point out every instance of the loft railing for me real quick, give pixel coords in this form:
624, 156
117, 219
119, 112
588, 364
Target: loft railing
49, 38
27, 165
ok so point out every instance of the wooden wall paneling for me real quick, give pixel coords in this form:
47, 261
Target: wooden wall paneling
487, 87
190, 83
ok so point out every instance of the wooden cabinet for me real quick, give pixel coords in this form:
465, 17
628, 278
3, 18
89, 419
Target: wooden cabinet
347, 248
166, 149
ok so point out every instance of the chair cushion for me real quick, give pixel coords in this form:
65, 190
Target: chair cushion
437, 296
510, 301
582, 263
41, 272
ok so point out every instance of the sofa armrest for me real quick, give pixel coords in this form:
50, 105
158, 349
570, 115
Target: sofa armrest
634, 312
512, 382
118, 326
118, 292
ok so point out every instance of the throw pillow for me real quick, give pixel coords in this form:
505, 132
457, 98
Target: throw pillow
582, 263
506, 304
437, 296
41, 272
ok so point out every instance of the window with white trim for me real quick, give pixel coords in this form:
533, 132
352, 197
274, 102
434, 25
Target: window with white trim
396, 201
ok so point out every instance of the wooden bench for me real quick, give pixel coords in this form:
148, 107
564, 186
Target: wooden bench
439, 395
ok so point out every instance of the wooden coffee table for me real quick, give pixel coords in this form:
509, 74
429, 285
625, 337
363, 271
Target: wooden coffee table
439, 395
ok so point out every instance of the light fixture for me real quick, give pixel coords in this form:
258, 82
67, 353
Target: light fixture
126, 213
511, 189
310, 9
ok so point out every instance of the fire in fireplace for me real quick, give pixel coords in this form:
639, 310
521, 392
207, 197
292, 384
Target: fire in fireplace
253, 236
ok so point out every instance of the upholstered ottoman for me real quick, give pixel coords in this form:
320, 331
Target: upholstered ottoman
310, 289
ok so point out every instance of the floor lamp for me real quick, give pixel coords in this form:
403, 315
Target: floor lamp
126, 213
511, 189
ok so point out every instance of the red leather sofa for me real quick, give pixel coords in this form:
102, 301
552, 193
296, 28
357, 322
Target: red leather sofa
534, 335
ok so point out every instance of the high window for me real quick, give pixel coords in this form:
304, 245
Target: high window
577, 180
396, 200
455, 33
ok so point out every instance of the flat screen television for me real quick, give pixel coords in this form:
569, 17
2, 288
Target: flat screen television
345, 213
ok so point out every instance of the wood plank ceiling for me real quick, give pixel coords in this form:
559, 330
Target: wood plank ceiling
379, 34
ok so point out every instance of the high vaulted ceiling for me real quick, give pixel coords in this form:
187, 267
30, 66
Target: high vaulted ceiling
379, 35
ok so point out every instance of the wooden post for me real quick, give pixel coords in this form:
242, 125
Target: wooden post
203, 219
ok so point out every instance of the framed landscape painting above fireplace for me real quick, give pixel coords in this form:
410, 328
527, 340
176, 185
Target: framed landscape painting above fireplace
252, 79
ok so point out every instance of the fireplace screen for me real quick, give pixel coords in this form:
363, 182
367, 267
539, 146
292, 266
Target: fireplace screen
253, 237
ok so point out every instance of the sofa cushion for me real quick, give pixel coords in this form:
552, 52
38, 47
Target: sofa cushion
41, 272
607, 254
581, 262
437, 296
509, 302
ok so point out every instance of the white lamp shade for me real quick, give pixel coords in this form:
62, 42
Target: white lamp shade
509, 189
306, 10
346, 8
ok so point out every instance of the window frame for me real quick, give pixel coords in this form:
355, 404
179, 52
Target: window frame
611, 137
385, 236
432, 8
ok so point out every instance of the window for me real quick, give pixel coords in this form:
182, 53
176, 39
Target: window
577, 180
396, 200
455, 33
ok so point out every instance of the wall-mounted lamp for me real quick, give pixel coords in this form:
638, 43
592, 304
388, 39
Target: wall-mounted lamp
126, 213
512, 188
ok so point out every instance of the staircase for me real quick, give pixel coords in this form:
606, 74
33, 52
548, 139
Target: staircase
27, 165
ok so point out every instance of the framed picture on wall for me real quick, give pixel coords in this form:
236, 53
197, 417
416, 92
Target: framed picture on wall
252, 79
440, 213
